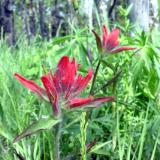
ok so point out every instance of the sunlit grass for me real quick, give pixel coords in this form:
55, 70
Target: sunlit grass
137, 113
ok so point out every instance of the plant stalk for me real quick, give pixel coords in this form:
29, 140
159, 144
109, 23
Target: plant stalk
109, 82
83, 129
86, 116
114, 111
95, 76
57, 141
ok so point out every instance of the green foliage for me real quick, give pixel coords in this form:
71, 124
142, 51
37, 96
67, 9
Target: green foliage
41, 124
133, 120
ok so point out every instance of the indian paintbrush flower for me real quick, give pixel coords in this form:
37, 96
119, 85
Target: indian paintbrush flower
63, 87
109, 42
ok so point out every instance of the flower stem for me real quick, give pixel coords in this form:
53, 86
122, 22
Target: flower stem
95, 76
114, 111
57, 141
86, 116
83, 129
114, 130
109, 82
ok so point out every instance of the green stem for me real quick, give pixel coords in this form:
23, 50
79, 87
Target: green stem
85, 117
57, 141
83, 129
95, 76
114, 137
92, 87
114, 110
108, 82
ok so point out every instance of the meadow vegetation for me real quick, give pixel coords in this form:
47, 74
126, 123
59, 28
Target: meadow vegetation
128, 128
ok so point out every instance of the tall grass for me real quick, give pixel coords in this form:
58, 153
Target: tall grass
136, 119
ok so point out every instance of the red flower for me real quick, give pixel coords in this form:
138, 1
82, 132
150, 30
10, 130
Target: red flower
109, 42
64, 86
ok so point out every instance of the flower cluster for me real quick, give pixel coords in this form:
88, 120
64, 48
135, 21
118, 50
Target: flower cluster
109, 42
62, 87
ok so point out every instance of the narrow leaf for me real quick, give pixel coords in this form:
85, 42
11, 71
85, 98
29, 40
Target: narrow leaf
99, 146
42, 124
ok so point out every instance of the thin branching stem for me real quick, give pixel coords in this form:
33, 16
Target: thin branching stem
109, 82
95, 76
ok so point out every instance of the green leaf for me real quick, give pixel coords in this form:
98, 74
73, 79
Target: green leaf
5, 132
83, 53
99, 146
128, 10
58, 40
42, 124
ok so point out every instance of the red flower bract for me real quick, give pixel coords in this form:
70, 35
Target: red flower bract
64, 86
109, 42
